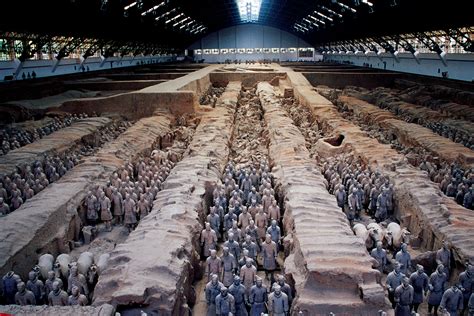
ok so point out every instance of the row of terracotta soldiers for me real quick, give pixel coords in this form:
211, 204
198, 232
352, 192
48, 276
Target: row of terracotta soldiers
29, 180
13, 138
126, 201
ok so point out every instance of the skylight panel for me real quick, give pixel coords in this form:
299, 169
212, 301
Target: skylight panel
249, 10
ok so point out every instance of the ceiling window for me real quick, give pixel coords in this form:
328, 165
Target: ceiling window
249, 10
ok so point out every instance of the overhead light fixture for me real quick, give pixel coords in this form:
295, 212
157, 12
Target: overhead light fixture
249, 10
130, 6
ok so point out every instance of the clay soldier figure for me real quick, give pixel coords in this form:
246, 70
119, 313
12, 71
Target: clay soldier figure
382, 204
255, 178
48, 284
236, 231
214, 220
380, 255
274, 232
23, 296
261, 220
258, 298
251, 247
208, 240
253, 208
403, 257
266, 200
419, 280
466, 279
36, 286
394, 280
274, 212
437, 285
57, 297
229, 219
443, 256
76, 298
238, 291
403, 298
278, 302
468, 200
470, 305
452, 300
105, 214
244, 219
213, 289
117, 205
229, 266
225, 303
143, 207
213, 265
248, 275
340, 197
10, 286
16, 201
76, 279
246, 186
252, 231
269, 253
129, 208
234, 248
354, 205
4, 208
374, 193
91, 202
285, 288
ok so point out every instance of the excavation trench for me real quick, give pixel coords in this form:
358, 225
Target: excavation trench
456, 130
418, 204
248, 151
423, 158
153, 270
53, 156
55, 208
331, 268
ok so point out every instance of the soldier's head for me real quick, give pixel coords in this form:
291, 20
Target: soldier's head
248, 262
21, 287
73, 270
440, 268
281, 279
56, 286
231, 237
51, 275
214, 278
274, 223
445, 245
419, 268
259, 282
236, 280
268, 238
75, 291
32, 275
379, 245
225, 250
213, 253
405, 281
224, 291
404, 247
277, 289
208, 226
397, 268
